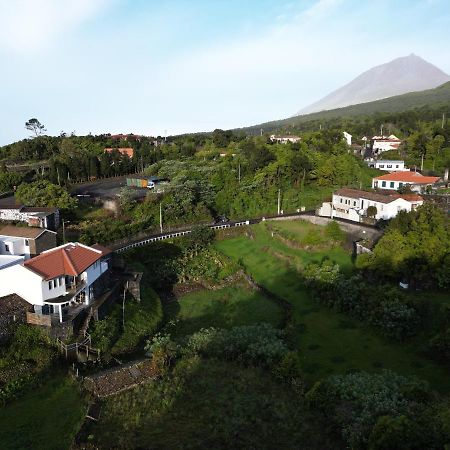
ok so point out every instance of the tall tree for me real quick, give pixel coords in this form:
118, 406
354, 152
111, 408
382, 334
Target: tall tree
35, 126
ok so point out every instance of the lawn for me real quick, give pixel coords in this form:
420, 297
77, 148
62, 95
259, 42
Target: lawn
224, 308
46, 418
329, 342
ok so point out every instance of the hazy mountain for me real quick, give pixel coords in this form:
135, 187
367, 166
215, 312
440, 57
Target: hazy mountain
406, 74
430, 98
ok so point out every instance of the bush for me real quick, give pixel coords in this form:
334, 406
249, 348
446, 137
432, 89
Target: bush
254, 344
334, 231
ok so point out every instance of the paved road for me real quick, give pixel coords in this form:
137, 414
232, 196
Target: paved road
138, 242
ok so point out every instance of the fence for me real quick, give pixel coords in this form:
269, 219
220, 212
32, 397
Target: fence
176, 234
74, 349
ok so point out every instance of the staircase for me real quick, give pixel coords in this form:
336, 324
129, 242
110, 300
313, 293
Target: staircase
80, 351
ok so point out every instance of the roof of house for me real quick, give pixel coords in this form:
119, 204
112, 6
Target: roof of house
24, 232
68, 259
380, 196
123, 150
105, 250
408, 177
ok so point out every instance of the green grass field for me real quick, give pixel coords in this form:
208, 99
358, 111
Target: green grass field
224, 308
44, 419
329, 342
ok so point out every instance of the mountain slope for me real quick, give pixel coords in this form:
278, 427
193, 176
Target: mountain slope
406, 74
431, 98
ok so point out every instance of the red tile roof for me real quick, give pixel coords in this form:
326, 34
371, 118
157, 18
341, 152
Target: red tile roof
380, 196
408, 177
128, 151
69, 259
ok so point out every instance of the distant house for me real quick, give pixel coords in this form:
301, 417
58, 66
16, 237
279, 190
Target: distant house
125, 151
18, 244
348, 138
382, 144
285, 139
395, 180
388, 165
41, 217
352, 204
57, 280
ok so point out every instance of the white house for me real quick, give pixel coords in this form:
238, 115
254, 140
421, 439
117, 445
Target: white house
352, 204
348, 138
25, 241
34, 216
395, 180
382, 144
388, 166
285, 139
58, 279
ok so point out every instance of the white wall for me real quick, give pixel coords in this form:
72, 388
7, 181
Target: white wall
56, 291
16, 246
23, 282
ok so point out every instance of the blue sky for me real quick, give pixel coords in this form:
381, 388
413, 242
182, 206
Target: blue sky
195, 65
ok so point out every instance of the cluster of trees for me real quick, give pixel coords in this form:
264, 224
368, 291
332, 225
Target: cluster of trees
382, 306
415, 248
382, 411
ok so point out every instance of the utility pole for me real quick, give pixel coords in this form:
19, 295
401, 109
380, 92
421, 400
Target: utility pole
239, 173
123, 305
160, 217
279, 201
64, 230
381, 131
443, 120
261, 131
421, 165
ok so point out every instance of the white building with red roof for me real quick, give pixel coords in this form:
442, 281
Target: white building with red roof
353, 204
396, 180
382, 144
58, 279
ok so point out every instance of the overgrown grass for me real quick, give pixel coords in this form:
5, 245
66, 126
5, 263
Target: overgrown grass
46, 418
210, 404
224, 308
329, 342
141, 320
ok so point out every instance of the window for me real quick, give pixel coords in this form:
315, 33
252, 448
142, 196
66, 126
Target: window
354, 202
50, 285
383, 184
392, 184
381, 166
397, 166
389, 166
341, 200
400, 185
27, 244
6, 248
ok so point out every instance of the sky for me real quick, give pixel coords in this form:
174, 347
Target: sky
175, 66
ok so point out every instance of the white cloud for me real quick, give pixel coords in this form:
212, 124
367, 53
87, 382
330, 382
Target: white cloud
29, 26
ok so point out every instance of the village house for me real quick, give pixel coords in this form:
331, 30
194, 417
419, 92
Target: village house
285, 139
396, 180
67, 277
41, 217
388, 165
347, 138
382, 144
18, 244
352, 204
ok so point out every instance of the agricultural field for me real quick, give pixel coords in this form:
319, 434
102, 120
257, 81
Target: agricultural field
328, 342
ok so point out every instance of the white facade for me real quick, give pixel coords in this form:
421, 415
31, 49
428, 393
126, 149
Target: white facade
388, 166
18, 246
348, 138
34, 218
384, 144
352, 206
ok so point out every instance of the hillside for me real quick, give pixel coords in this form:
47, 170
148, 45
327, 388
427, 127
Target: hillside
433, 98
400, 76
